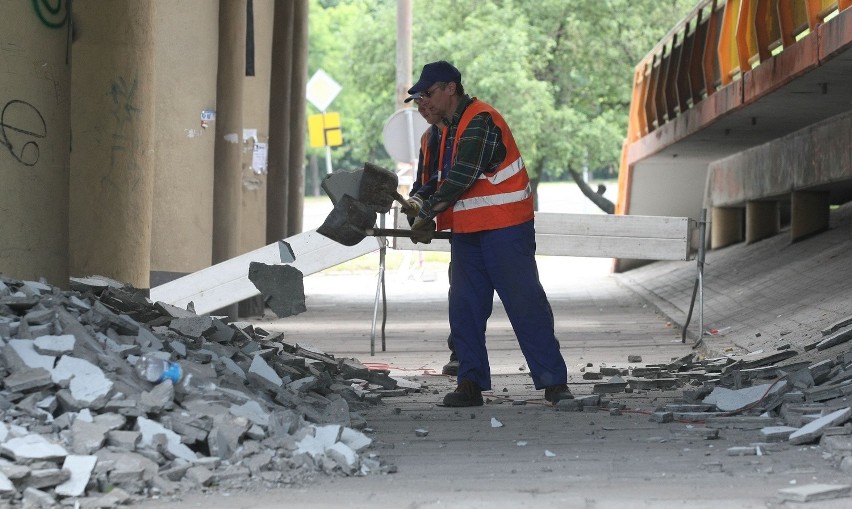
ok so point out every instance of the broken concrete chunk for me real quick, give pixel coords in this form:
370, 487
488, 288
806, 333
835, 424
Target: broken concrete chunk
34, 497
32, 447
814, 492
28, 379
813, 430
835, 339
233, 368
21, 353
80, 468
263, 375
344, 456
662, 417
729, 400
193, 327
252, 411
158, 399
6, 486
777, 433
55, 345
199, 476
282, 287
126, 440
742, 451
88, 382
87, 437
355, 439
151, 429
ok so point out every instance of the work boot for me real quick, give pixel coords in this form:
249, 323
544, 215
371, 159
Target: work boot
466, 394
556, 393
451, 368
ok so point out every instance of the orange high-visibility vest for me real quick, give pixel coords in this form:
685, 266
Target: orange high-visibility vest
443, 220
427, 155
500, 198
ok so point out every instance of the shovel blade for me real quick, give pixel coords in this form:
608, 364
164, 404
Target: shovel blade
348, 221
377, 188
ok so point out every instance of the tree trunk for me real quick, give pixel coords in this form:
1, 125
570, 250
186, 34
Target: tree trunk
597, 198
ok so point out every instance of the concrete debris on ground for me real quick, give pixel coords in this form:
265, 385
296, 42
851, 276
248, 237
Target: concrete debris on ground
787, 400
81, 426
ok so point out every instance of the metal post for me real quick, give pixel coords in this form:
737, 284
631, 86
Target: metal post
702, 232
328, 160
379, 286
698, 286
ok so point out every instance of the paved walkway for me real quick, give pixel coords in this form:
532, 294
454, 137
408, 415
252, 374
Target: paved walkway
768, 295
763, 296
597, 320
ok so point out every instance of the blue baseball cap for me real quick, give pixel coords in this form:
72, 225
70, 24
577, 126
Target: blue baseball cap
412, 97
440, 71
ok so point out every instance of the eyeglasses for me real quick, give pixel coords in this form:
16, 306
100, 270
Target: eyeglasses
428, 93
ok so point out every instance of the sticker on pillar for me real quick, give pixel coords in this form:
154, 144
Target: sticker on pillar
258, 158
324, 130
206, 117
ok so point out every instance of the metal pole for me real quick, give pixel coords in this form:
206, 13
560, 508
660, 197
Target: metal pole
702, 231
379, 285
328, 160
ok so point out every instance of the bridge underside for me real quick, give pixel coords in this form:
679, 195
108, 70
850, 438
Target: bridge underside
667, 169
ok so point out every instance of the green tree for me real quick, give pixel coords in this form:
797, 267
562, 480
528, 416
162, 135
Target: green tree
560, 72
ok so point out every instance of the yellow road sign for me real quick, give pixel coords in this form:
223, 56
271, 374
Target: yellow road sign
324, 130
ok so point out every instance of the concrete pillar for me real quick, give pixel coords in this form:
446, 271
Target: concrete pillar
34, 141
810, 211
112, 163
228, 147
185, 88
763, 220
256, 136
227, 165
277, 191
726, 226
298, 127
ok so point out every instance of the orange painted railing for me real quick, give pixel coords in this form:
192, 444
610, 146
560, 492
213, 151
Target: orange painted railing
710, 48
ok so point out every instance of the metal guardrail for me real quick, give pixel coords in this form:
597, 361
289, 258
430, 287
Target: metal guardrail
713, 46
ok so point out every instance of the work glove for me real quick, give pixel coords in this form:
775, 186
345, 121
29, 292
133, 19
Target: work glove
423, 231
413, 206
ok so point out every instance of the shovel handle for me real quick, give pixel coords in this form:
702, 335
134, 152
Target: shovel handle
401, 200
390, 232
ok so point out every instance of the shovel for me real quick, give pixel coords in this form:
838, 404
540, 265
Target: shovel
351, 221
378, 189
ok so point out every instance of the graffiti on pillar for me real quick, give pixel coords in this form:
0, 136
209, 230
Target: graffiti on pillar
53, 13
21, 128
123, 95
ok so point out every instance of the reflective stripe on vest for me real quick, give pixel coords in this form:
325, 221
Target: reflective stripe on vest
494, 199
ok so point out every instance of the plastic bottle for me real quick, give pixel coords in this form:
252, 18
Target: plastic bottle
157, 370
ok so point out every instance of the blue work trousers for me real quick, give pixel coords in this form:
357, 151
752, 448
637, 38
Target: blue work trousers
501, 260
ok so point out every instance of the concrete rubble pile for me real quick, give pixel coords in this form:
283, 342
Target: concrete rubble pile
81, 427
785, 399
